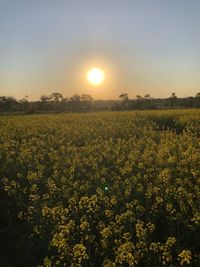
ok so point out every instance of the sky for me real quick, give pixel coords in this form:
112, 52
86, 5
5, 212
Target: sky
143, 46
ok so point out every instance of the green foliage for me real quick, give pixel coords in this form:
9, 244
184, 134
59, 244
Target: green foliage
102, 189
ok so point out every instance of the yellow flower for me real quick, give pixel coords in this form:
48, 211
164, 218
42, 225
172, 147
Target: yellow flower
185, 256
79, 253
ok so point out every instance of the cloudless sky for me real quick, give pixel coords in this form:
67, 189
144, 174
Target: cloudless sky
144, 46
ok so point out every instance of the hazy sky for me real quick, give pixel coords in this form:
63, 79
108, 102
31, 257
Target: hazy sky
144, 46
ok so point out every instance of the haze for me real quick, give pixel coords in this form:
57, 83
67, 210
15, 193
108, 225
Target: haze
143, 47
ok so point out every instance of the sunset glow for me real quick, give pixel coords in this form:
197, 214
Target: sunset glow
95, 76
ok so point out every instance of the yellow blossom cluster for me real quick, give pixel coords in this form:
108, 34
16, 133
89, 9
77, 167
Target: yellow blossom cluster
111, 189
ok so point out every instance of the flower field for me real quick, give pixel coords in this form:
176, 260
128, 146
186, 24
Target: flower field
100, 189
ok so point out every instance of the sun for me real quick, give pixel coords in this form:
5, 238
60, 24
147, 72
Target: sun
96, 76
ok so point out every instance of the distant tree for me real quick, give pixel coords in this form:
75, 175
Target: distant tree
44, 102
65, 99
75, 98
24, 103
124, 100
63, 104
44, 98
7, 103
2, 98
146, 101
197, 100
124, 97
173, 95
86, 97
86, 102
147, 96
173, 99
24, 99
75, 103
56, 97
198, 94
139, 97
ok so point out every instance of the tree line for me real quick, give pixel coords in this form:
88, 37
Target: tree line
85, 103
148, 102
53, 103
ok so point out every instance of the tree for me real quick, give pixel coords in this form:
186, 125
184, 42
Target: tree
139, 97
173, 95
86, 101
198, 94
147, 103
75, 98
197, 100
24, 103
56, 97
124, 100
44, 102
86, 97
44, 98
24, 99
74, 102
124, 97
173, 99
147, 96
7, 103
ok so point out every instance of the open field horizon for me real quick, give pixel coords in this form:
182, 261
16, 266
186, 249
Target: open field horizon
85, 103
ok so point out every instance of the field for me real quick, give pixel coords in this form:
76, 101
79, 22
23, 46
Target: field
100, 189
